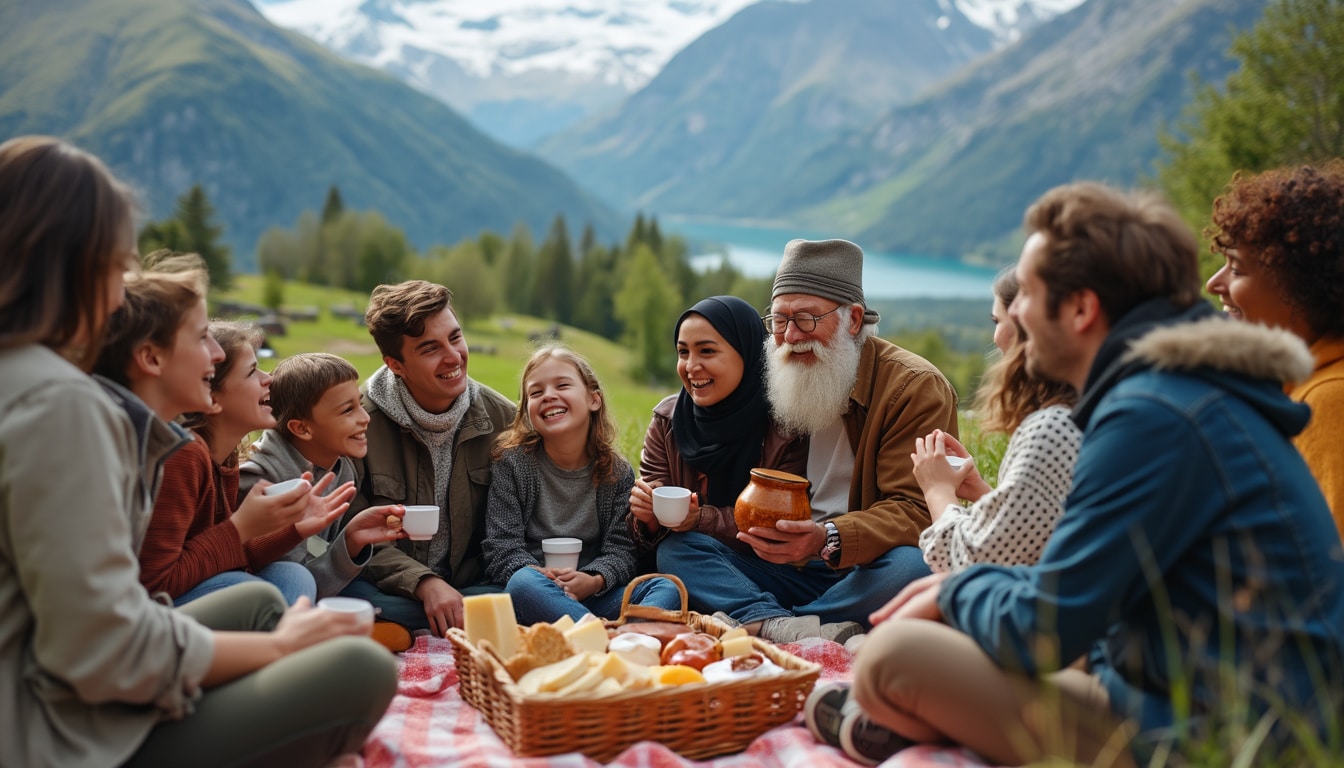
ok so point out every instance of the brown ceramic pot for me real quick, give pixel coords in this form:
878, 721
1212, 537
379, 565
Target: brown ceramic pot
771, 495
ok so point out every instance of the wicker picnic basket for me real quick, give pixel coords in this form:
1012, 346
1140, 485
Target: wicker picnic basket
697, 721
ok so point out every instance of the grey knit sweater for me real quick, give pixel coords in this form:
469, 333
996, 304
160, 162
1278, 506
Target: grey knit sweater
515, 485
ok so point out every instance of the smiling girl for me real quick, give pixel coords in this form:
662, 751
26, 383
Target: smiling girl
200, 538
557, 474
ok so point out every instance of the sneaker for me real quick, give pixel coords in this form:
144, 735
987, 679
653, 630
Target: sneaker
867, 742
788, 629
726, 620
824, 710
852, 644
391, 636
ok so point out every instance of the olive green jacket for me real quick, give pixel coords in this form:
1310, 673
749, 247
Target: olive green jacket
399, 470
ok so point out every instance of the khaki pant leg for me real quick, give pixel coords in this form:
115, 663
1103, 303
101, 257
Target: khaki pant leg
255, 606
930, 682
303, 710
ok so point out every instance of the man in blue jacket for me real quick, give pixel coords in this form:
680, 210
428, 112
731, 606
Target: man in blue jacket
1194, 585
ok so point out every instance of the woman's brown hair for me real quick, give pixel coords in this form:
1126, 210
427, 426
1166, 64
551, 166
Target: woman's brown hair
65, 224
1007, 393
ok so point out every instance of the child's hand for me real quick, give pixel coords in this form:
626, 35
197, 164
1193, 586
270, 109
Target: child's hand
322, 510
260, 514
577, 584
641, 503
372, 526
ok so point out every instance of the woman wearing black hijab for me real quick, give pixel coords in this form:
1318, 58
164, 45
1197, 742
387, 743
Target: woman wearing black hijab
709, 436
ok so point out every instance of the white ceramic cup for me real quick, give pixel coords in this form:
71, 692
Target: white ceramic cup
671, 504
361, 608
956, 461
421, 521
562, 552
275, 489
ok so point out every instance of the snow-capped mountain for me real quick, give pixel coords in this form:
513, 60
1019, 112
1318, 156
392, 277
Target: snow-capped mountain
522, 69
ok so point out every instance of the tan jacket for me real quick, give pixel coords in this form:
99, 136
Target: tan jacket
898, 396
398, 470
1322, 442
89, 664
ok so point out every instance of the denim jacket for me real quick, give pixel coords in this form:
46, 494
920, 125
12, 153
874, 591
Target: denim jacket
1194, 540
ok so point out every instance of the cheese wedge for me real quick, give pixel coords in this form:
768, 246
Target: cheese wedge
736, 646
583, 683
490, 617
553, 677
590, 636
563, 623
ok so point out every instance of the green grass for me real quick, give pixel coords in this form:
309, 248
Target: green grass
630, 402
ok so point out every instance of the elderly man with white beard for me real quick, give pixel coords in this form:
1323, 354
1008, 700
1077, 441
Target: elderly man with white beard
862, 401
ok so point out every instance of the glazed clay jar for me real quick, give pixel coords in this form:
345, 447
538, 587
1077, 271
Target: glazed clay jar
771, 495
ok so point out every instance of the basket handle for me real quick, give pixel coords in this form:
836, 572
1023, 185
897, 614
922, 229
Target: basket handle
649, 612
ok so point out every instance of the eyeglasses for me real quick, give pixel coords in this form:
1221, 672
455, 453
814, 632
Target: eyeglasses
805, 322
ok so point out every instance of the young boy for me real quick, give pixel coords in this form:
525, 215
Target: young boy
320, 427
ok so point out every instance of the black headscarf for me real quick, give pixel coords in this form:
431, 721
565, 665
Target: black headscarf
723, 441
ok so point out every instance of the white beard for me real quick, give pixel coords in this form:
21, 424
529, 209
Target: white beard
805, 399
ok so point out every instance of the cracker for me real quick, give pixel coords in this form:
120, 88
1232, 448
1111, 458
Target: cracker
546, 643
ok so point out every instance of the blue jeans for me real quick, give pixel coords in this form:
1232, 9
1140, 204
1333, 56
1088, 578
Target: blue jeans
750, 589
292, 579
537, 598
406, 611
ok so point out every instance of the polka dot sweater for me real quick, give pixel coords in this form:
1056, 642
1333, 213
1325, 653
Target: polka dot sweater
1010, 524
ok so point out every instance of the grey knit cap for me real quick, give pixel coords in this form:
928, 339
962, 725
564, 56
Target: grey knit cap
832, 269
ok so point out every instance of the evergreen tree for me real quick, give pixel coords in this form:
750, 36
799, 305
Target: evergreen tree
464, 271
1284, 105
553, 291
192, 229
333, 206
273, 290
596, 288
516, 270
647, 305
492, 247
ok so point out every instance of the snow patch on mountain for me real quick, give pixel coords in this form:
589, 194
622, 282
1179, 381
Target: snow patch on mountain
621, 42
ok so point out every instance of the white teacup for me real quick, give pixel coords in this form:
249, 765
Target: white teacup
671, 504
956, 461
276, 489
421, 521
562, 552
361, 608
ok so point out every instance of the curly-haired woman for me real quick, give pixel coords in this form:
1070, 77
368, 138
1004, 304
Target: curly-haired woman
1282, 235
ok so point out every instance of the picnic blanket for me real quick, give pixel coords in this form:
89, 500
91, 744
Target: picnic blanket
428, 724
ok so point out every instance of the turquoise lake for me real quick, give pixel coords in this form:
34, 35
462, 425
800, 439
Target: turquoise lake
756, 251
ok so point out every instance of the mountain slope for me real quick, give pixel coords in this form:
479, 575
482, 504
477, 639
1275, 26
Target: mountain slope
719, 130
1081, 97
175, 92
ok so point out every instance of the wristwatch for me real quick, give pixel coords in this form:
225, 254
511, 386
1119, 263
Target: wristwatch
830, 551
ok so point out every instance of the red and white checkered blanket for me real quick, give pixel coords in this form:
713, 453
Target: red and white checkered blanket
428, 724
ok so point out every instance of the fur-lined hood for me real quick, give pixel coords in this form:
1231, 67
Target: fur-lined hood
1228, 346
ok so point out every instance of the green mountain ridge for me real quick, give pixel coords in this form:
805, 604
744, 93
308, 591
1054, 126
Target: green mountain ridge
945, 167
175, 92
1084, 97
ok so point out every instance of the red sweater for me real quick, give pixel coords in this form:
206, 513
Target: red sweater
191, 537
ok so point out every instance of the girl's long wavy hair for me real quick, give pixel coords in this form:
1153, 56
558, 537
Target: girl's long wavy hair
1007, 393
601, 429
